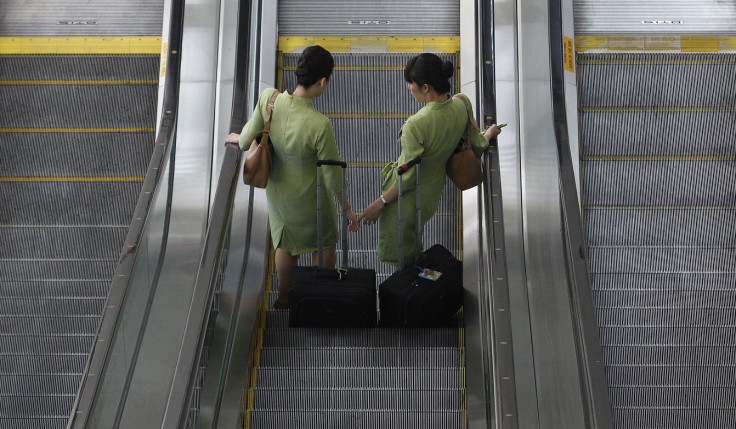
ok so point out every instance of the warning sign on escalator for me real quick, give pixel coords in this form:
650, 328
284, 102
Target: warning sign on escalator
569, 54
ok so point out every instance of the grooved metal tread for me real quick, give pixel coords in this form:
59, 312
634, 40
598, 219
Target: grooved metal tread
379, 337
284, 357
361, 419
353, 399
361, 378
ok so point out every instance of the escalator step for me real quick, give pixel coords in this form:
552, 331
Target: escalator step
361, 378
42, 364
49, 325
52, 242
61, 269
660, 227
50, 289
39, 385
660, 260
78, 306
661, 354
359, 357
28, 410
343, 399
442, 337
40, 344
85, 106
355, 419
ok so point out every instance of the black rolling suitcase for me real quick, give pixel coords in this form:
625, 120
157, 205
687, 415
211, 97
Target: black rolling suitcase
427, 293
329, 297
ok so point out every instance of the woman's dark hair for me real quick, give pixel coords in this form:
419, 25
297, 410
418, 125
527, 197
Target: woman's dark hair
430, 69
315, 63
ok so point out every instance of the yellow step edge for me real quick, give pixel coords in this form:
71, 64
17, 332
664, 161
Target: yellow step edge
368, 68
445, 44
644, 207
656, 43
254, 355
80, 130
81, 82
70, 179
657, 158
80, 45
366, 115
657, 109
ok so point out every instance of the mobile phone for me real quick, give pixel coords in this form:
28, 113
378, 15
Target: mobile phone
501, 125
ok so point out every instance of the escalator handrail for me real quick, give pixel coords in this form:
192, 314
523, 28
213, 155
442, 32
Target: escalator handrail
496, 324
178, 409
208, 274
594, 386
164, 142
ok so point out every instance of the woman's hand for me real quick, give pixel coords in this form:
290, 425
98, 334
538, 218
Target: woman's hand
372, 212
354, 221
491, 132
233, 138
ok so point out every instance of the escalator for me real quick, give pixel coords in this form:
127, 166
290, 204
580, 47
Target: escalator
658, 201
172, 346
656, 101
396, 377
76, 135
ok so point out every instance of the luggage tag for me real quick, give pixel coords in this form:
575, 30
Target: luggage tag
429, 274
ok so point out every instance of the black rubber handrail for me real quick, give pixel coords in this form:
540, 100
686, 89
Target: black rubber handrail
495, 314
597, 407
165, 142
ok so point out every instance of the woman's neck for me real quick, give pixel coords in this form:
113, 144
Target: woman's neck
434, 97
302, 92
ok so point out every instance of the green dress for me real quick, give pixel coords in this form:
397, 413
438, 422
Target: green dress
299, 135
432, 134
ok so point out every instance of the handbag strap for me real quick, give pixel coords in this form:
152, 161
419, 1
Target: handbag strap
267, 119
471, 120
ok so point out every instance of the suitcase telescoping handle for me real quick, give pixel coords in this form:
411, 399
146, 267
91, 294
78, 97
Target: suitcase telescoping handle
320, 240
403, 168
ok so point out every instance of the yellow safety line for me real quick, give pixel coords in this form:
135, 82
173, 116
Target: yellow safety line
80, 45
366, 115
254, 357
367, 163
80, 130
62, 226
657, 109
70, 179
654, 61
373, 68
657, 158
644, 207
656, 43
80, 82
446, 44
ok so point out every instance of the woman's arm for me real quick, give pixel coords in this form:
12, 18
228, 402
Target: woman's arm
373, 211
342, 199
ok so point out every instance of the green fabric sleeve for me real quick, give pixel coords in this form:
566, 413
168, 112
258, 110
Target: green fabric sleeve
327, 150
478, 143
412, 147
254, 126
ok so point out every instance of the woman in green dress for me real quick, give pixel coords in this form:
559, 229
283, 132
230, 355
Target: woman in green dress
432, 134
300, 135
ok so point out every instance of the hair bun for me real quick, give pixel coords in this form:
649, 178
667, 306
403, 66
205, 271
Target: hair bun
447, 69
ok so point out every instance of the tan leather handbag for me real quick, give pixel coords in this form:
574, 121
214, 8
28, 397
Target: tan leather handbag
463, 167
257, 165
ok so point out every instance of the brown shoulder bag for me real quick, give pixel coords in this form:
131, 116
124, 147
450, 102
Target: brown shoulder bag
463, 167
257, 165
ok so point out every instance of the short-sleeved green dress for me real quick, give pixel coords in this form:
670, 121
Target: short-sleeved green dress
299, 135
432, 134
